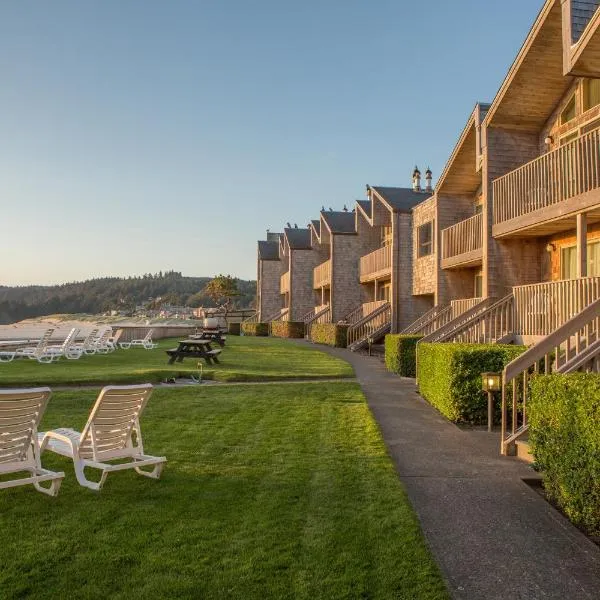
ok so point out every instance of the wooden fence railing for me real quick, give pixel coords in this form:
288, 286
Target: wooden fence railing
322, 275
376, 262
566, 172
466, 236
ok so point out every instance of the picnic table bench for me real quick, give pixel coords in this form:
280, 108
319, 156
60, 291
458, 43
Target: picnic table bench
194, 348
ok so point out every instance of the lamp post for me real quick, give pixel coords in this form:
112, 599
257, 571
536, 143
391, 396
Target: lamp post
490, 383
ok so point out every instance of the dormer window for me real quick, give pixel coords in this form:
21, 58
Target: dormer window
569, 112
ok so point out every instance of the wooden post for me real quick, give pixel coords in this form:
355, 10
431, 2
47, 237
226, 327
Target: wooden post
581, 245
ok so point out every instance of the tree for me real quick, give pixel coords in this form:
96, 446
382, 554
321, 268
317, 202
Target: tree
222, 290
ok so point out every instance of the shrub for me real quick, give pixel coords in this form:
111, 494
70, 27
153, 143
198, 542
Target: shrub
234, 328
401, 354
564, 438
287, 329
330, 334
257, 329
449, 376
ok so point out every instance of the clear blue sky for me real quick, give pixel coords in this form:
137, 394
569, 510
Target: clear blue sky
147, 135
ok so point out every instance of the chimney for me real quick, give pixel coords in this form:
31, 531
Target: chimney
416, 177
428, 178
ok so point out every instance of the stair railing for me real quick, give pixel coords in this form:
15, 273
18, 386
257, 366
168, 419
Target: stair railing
371, 325
560, 352
322, 316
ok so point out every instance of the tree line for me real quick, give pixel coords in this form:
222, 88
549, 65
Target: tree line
105, 294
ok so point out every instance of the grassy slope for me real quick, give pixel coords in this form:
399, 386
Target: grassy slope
269, 492
242, 359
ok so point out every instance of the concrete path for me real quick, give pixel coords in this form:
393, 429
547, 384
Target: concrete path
491, 534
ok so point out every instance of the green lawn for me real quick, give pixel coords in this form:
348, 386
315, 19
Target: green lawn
242, 359
275, 491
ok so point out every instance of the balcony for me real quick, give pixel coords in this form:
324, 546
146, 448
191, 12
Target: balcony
284, 285
462, 243
376, 265
543, 196
322, 275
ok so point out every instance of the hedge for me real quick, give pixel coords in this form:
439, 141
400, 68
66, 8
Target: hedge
234, 328
287, 329
330, 334
449, 376
401, 354
257, 329
564, 437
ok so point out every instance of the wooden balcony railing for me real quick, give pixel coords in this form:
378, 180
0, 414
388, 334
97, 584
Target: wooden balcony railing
322, 275
543, 307
564, 173
463, 242
375, 264
284, 286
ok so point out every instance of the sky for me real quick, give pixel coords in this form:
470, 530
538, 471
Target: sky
139, 136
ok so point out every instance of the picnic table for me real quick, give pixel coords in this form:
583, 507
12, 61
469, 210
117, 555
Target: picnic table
214, 335
195, 348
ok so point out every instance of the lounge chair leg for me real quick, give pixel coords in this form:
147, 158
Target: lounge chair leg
84, 481
154, 474
50, 491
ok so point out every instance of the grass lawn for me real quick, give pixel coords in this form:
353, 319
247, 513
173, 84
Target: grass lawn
243, 359
274, 491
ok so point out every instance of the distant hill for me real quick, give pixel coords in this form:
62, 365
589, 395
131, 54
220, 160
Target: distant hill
111, 293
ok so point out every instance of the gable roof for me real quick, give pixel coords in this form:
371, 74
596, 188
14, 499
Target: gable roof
581, 13
268, 250
535, 81
400, 199
342, 222
298, 238
316, 226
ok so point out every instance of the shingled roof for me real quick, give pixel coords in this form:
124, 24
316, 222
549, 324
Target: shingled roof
339, 221
268, 250
298, 239
400, 199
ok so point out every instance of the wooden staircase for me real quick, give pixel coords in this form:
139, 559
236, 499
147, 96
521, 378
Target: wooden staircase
373, 327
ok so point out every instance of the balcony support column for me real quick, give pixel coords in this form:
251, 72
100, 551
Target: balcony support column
581, 245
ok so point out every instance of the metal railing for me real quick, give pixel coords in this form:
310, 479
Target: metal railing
372, 325
466, 236
573, 346
564, 173
322, 274
320, 316
375, 263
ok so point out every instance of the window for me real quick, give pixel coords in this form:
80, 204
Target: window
384, 292
478, 291
568, 261
591, 93
425, 239
569, 112
386, 235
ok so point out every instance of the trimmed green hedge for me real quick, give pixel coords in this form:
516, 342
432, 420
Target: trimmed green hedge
330, 334
449, 376
256, 329
564, 437
287, 329
401, 354
234, 328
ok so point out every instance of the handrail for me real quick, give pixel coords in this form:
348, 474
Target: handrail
555, 351
566, 172
369, 324
494, 323
445, 331
321, 316
423, 319
307, 316
353, 316
251, 319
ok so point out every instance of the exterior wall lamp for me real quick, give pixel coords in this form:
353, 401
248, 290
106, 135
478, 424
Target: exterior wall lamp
490, 383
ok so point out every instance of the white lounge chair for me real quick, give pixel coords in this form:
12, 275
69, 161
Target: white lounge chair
146, 342
101, 344
39, 352
87, 346
113, 341
112, 432
7, 355
69, 349
20, 414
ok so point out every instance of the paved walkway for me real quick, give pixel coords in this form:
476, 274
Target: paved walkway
491, 534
